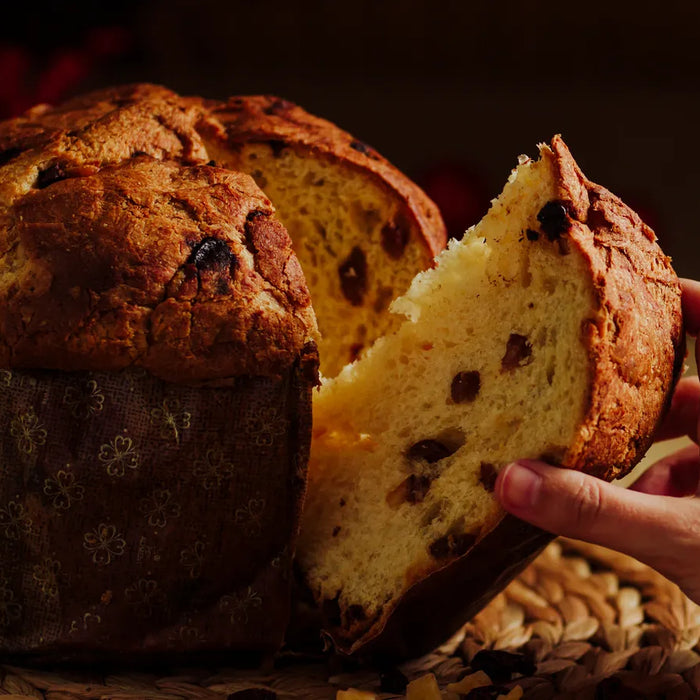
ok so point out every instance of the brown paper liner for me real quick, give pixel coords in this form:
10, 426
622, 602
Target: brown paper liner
141, 517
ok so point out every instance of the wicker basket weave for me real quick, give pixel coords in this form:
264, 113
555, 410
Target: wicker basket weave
585, 623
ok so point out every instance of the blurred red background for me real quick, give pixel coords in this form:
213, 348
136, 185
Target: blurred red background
451, 92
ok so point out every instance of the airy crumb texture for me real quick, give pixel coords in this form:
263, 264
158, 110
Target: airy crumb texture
511, 349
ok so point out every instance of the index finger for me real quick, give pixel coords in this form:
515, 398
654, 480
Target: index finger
691, 305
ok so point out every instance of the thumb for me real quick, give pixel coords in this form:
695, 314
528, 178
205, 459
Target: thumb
661, 531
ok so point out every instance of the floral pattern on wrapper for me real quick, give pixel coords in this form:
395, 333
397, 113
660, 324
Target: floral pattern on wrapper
125, 497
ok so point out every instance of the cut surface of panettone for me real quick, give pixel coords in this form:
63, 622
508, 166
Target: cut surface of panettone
361, 229
551, 331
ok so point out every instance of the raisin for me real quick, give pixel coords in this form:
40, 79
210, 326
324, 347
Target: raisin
452, 545
487, 476
46, 177
430, 451
417, 488
341, 503
361, 147
532, 235
392, 681
465, 386
356, 612
518, 352
394, 239
554, 219
9, 154
336, 530
353, 276
412, 490
212, 253
277, 146
212, 163
500, 666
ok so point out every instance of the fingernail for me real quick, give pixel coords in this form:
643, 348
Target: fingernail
520, 487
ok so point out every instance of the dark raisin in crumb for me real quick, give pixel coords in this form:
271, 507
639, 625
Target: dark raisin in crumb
212, 253
532, 235
394, 239
52, 174
212, 163
487, 476
465, 386
417, 488
392, 681
336, 530
430, 451
518, 352
256, 213
361, 147
353, 276
500, 666
342, 502
554, 219
453, 545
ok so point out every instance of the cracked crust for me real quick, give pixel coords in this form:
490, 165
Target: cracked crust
121, 248
639, 295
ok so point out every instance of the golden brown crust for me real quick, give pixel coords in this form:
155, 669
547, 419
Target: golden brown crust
119, 251
264, 118
636, 345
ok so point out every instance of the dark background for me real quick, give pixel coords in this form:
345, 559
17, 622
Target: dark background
450, 91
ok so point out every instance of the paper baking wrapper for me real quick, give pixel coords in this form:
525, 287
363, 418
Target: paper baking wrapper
140, 517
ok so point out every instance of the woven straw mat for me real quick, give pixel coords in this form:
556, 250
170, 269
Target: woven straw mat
580, 622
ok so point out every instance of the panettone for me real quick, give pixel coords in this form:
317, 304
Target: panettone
159, 348
551, 331
161, 322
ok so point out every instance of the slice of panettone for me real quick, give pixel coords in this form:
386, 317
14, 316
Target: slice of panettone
552, 331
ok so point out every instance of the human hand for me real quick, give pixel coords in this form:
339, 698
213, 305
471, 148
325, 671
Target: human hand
656, 520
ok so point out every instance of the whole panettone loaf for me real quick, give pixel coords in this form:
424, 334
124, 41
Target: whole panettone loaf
158, 349
552, 331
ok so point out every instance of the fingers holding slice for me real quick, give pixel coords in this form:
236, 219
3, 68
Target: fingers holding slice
676, 475
661, 531
682, 416
691, 305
